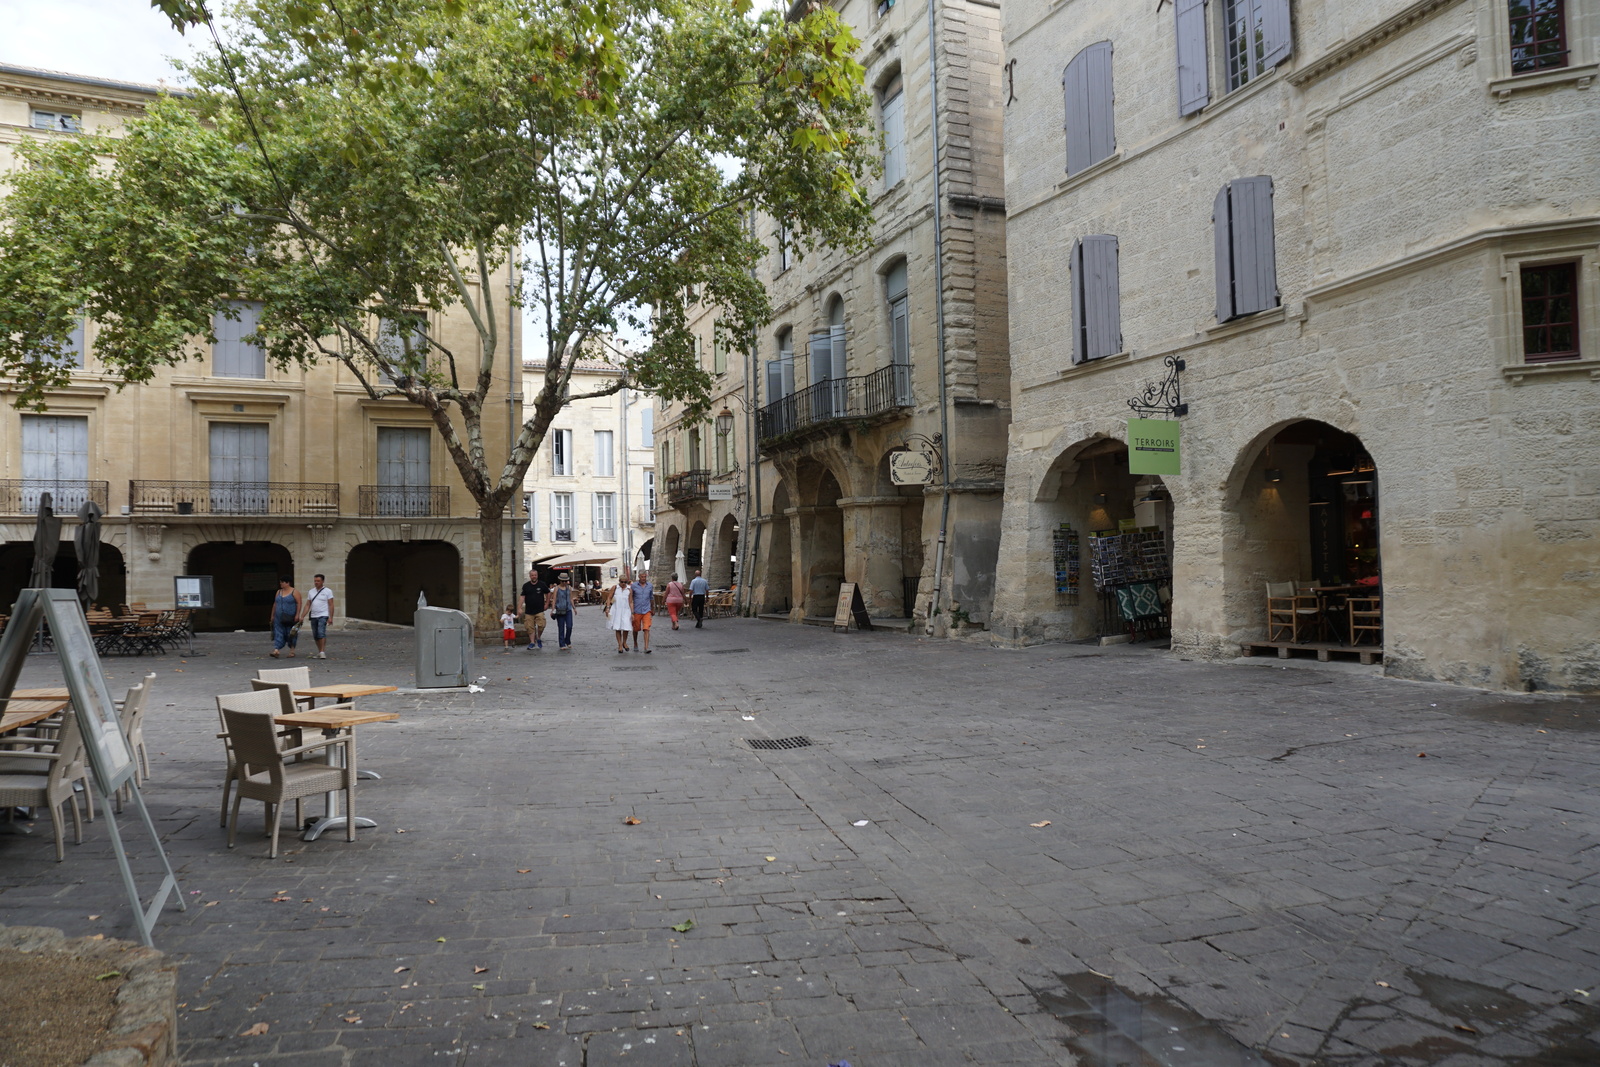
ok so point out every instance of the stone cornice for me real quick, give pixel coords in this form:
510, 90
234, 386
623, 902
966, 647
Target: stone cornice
1348, 52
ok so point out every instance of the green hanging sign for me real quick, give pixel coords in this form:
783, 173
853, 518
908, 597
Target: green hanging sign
1153, 446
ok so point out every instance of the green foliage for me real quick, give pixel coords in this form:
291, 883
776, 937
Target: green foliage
355, 166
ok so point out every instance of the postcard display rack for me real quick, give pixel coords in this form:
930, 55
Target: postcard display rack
1123, 558
1068, 561
110, 755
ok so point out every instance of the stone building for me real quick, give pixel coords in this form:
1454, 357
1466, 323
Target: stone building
1370, 232
231, 467
591, 489
899, 347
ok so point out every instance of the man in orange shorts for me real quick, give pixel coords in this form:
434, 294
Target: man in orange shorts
643, 594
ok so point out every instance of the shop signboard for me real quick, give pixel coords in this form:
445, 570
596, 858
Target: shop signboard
851, 608
911, 468
720, 492
1153, 446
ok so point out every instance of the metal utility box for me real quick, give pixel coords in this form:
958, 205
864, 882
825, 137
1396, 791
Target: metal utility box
444, 647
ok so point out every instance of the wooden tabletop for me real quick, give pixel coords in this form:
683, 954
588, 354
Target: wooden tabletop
20, 713
335, 718
57, 693
345, 692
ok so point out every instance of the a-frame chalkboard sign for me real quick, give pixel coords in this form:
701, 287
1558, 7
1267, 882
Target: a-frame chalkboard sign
850, 609
110, 755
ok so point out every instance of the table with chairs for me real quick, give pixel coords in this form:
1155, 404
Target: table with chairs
1327, 618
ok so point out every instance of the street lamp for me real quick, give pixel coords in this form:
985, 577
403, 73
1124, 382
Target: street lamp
724, 422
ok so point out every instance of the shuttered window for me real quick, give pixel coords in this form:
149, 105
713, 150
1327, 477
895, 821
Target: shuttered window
1086, 85
1194, 64
605, 516
1096, 301
236, 353
604, 464
239, 467
1247, 273
405, 471
1256, 37
530, 528
894, 132
647, 428
55, 460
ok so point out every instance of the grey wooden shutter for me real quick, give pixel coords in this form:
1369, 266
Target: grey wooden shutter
1087, 90
1075, 265
1194, 75
1255, 273
1102, 125
1102, 320
1277, 33
1222, 234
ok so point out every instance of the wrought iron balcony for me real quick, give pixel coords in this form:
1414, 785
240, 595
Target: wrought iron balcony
233, 498
687, 487
20, 496
404, 501
880, 393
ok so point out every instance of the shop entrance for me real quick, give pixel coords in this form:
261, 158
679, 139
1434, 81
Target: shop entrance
384, 578
244, 579
1308, 511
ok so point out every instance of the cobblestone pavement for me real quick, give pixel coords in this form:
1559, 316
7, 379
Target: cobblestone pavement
1053, 855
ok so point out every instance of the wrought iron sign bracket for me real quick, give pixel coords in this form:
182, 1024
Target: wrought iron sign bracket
1163, 397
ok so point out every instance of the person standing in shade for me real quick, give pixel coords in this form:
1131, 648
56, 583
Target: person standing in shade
286, 609
619, 616
535, 596
562, 606
644, 605
319, 611
674, 600
698, 588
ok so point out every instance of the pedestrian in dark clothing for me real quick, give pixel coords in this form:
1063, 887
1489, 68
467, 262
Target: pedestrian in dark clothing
562, 606
535, 597
698, 588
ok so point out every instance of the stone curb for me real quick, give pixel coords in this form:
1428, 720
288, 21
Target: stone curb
144, 1028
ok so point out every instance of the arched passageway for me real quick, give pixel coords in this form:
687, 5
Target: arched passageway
822, 548
721, 563
778, 585
384, 578
694, 549
16, 567
1304, 503
244, 579
671, 548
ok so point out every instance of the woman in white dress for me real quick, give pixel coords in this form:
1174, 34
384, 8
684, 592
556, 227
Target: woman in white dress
619, 612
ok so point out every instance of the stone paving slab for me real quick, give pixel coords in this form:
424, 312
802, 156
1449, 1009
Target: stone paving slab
1332, 868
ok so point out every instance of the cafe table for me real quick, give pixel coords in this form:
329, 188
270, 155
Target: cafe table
343, 693
332, 722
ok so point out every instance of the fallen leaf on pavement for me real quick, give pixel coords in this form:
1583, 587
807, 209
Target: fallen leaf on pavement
1385, 985
684, 927
772, 859
1040, 825
438, 939
524, 870
1465, 1029
255, 1031
92, 918
632, 821
397, 970
480, 970
212, 903
108, 974
351, 1018
541, 1026
478, 985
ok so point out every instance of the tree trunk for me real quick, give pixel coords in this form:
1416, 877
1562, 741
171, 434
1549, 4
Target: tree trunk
493, 596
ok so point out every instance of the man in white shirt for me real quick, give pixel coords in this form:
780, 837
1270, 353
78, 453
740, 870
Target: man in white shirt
698, 588
319, 609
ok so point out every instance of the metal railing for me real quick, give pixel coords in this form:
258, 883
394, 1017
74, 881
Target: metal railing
690, 485
20, 496
404, 501
233, 498
882, 391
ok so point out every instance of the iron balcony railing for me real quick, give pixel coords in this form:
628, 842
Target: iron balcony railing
688, 486
878, 393
20, 496
233, 498
404, 501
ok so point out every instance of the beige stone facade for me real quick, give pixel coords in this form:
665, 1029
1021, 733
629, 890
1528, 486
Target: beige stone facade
813, 458
1427, 184
591, 487
236, 471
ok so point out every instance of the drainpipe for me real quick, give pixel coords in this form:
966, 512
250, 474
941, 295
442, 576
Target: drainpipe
625, 520
513, 383
938, 284
750, 532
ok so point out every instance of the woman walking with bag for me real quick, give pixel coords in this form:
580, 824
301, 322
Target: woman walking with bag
619, 613
562, 606
286, 609
674, 600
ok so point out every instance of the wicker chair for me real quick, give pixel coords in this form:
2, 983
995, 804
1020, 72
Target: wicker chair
45, 779
266, 773
297, 677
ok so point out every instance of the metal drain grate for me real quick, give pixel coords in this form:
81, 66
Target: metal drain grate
724, 651
770, 743
633, 668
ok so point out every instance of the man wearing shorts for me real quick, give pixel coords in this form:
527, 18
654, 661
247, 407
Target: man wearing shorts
319, 610
643, 594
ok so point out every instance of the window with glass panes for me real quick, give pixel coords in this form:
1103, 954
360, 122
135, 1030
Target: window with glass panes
605, 516
561, 517
1538, 35
561, 452
1550, 312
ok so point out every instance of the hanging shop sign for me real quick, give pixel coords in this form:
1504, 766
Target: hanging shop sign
1153, 446
720, 492
911, 468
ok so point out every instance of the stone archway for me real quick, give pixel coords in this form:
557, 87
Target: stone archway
383, 578
670, 563
694, 548
822, 547
724, 549
16, 568
1301, 505
778, 585
244, 579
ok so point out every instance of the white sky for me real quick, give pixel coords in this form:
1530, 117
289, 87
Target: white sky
124, 40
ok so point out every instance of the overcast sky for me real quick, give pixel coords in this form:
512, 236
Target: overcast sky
124, 40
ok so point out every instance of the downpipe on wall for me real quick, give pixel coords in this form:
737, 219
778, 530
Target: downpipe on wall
938, 305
